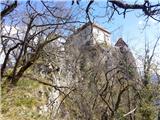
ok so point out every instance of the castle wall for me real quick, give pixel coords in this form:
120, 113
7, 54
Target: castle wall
100, 37
89, 36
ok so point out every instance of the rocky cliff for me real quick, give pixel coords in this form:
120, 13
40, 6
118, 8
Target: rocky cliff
102, 82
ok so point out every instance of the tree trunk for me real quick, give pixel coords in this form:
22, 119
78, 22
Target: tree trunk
20, 73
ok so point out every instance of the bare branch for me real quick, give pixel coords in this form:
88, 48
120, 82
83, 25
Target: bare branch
8, 9
87, 9
146, 7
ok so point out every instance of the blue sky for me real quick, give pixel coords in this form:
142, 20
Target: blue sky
130, 28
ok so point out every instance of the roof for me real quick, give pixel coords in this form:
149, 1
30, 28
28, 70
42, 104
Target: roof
93, 25
121, 43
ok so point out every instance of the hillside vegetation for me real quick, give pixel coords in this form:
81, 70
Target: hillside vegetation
26, 101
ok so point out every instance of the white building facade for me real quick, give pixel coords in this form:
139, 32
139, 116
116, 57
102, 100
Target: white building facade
89, 34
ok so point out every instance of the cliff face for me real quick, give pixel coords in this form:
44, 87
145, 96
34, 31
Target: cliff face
102, 83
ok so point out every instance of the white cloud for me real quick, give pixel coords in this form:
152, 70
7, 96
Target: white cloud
10, 29
140, 22
150, 22
7, 29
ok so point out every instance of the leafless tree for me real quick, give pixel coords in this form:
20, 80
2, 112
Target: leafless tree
35, 28
148, 8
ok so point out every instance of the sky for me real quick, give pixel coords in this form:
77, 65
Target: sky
130, 28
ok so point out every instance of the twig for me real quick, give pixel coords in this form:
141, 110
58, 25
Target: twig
129, 112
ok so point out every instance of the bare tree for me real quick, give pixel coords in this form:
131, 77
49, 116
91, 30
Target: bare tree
42, 27
148, 62
149, 9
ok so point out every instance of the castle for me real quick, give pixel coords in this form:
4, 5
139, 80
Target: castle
89, 64
89, 34
92, 34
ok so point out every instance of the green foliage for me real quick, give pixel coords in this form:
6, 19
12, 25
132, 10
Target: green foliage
28, 102
23, 101
147, 108
9, 72
29, 83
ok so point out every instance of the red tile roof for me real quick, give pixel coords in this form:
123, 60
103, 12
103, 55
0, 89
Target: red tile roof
121, 43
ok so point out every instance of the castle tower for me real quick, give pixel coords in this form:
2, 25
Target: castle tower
121, 43
89, 34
